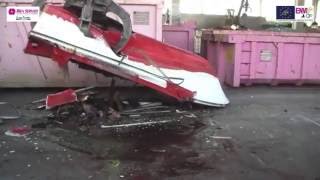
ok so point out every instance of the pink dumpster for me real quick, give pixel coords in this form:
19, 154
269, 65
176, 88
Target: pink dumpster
181, 36
249, 57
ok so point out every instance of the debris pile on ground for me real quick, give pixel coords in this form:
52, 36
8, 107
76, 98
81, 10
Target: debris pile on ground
89, 108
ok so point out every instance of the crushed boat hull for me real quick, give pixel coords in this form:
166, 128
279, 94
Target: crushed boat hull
167, 69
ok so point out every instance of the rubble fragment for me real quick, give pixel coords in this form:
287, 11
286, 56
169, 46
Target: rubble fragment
40, 107
90, 110
190, 115
136, 124
114, 115
76, 91
145, 108
148, 104
220, 137
61, 98
18, 132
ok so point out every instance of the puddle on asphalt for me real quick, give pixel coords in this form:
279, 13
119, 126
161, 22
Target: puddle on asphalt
145, 152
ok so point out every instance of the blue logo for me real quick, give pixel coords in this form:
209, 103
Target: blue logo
285, 12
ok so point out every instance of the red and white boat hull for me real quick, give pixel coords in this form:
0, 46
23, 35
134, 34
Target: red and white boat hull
143, 60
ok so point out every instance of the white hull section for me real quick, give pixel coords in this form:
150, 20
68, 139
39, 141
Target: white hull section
68, 36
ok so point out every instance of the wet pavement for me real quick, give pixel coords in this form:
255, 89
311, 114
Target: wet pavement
265, 133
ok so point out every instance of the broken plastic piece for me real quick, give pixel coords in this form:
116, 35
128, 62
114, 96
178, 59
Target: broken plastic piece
61, 98
18, 132
77, 91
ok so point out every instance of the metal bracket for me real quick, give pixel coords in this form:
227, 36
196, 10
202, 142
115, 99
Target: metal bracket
86, 17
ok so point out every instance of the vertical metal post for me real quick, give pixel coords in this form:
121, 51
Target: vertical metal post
299, 25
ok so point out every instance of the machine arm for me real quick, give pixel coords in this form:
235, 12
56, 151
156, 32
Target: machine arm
89, 8
102, 7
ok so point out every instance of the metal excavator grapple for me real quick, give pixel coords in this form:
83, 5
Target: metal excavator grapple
96, 10
80, 32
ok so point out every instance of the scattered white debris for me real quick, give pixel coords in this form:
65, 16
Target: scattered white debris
148, 104
190, 115
220, 137
135, 115
9, 133
9, 117
212, 123
136, 124
180, 112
